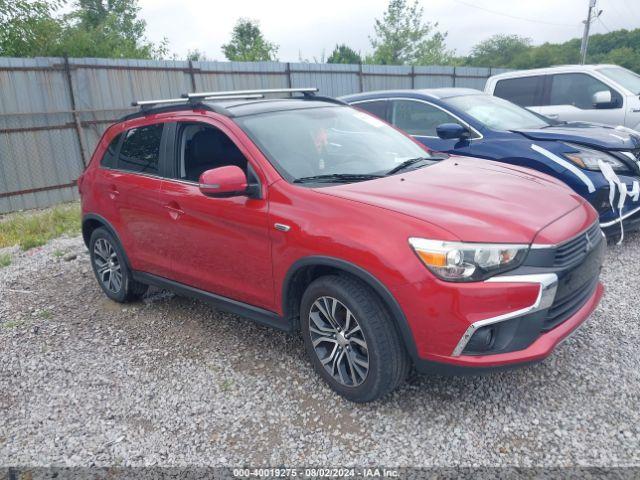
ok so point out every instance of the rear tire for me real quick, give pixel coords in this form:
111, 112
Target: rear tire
351, 339
111, 269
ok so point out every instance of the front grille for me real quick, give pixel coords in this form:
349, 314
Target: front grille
566, 307
575, 250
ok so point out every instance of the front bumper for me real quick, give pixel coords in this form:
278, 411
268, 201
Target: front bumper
511, 319
536, 352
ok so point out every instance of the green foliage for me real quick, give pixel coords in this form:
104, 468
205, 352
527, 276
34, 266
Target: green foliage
401, 38
344, 54
621, 47
5, 260
27, 27
196, 56
93, 28
499, 50
35, 228
248, 44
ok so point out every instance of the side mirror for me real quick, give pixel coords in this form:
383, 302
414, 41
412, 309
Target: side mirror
226, 181
448, 131
602, 98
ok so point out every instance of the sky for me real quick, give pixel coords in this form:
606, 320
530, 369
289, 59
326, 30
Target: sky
305, 29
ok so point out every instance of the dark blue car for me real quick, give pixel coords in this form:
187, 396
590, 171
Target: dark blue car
601, 163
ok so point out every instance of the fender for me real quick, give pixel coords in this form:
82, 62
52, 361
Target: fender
105, 223
376, 285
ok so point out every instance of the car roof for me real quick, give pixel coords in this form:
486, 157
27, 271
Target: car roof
241, 108
437, 93
550, 70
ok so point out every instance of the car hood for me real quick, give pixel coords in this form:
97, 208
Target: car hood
592, 134
475, 200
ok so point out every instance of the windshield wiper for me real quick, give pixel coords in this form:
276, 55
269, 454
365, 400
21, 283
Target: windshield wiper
338, 178
406, 164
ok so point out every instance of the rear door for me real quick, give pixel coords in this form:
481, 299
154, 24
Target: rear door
132, 186
527, 92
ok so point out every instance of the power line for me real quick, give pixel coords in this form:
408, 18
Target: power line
515, 16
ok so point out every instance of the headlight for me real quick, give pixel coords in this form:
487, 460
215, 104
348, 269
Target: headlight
588, 158
467, 262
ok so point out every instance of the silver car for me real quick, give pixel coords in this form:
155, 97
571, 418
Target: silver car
606, 94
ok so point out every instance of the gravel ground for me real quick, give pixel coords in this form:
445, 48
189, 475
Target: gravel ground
171, 382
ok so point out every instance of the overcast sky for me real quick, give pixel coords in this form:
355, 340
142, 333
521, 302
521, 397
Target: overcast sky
304, 28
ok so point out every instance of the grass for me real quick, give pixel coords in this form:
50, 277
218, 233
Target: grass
5, 260
34, 228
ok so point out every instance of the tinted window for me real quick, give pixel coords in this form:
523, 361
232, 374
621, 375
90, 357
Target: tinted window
377, 108
418, 118
203, 148
140, 150
109, 157
525, 91
577, 89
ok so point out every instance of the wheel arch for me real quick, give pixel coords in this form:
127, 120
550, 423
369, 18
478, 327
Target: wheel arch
307, 269
91, 222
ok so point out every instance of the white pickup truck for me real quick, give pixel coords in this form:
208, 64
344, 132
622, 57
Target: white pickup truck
606, 94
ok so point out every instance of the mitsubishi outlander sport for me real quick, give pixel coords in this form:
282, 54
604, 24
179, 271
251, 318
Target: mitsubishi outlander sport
310, 216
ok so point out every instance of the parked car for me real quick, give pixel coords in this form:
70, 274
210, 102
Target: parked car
606, 94
468, 122
308, 215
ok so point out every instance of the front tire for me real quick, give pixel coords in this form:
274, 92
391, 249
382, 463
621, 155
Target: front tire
111, 270
351, 339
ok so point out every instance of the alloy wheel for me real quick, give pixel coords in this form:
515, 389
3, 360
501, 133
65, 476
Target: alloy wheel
108, 265
338, 341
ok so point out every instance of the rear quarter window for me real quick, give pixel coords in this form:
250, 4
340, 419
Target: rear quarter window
523, 91
109, 157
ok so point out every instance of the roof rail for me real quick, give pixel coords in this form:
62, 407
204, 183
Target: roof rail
145, 104
224, 95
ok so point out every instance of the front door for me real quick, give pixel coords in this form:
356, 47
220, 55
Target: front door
220, 245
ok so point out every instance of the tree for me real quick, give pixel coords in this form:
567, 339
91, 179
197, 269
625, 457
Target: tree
248, 44
27, 27
196, 56
499, 51
402, 38
93, 28
344, 54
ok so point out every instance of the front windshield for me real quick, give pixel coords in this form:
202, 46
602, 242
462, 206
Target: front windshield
309, 142
624, 77
497, 113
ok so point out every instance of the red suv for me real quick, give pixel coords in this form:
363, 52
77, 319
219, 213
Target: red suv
308, 215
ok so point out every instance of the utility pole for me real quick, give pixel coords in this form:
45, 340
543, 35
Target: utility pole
585, 34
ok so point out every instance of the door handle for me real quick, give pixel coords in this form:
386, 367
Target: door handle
553, 115
174, 210
113, 192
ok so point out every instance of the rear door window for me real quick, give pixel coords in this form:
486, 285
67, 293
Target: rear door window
140, 151
523, 91
417, 118
577, 89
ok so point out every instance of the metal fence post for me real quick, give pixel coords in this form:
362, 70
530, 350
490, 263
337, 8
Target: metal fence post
413, 77
360, 79
287, 70
192, 76
74, 112
454, 76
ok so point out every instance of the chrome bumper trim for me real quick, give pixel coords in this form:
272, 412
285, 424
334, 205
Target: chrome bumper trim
618, 220
548, 286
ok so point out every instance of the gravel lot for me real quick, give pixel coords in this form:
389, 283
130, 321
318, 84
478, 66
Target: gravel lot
170, 381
